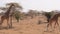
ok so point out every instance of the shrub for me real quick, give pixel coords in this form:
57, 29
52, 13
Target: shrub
17, 16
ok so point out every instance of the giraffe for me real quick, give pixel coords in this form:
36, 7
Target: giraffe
54, 20
6, 16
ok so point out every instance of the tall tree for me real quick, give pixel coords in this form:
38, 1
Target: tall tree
17, 15
16, 7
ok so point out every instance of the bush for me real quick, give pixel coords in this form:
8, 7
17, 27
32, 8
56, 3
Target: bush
17, 16
48, 15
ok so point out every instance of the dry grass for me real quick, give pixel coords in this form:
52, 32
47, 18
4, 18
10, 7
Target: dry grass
28, 26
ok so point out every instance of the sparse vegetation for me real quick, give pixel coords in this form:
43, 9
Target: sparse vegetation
17, 16
48, 15
11, 8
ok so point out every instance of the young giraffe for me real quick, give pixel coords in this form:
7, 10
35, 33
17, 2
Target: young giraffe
6, 16
54, 20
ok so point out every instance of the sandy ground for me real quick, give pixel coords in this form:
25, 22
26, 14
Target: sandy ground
28, 26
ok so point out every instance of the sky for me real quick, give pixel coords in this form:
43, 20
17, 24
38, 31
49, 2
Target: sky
46, 5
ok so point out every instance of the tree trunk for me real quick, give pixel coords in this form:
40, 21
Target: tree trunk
17, 20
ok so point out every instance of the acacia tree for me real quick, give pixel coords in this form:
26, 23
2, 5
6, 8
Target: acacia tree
48, 15
16, 7
17, 15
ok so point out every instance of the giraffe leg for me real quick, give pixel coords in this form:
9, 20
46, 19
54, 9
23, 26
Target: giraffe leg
58, 25
47, 27
2, 19
55, 24
49, 24
8, 23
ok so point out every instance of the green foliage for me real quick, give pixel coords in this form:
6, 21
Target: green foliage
48, 15
17, 15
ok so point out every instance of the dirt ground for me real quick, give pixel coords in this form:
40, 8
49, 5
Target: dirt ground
28, 26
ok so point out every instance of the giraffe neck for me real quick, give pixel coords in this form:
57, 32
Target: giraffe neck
8, 11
